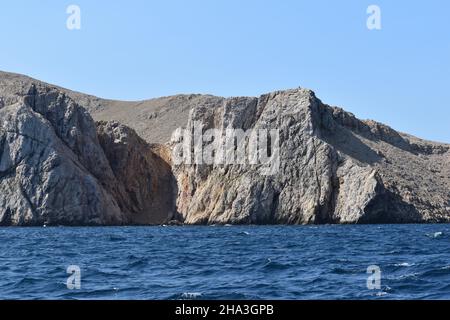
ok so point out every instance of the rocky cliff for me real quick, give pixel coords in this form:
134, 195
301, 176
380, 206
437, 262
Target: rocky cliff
333, 168
57, 166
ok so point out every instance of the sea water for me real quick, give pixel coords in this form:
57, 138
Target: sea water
235, 262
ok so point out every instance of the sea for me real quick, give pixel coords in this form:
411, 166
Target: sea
348, 262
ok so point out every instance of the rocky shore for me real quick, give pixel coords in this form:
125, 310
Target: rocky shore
72, 159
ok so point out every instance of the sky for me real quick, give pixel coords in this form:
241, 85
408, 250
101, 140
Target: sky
139, 49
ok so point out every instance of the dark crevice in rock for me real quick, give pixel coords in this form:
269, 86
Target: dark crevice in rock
145, 179
6, 219
387, 207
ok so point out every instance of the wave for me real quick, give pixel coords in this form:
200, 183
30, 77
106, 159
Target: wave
274, 265
340, 270
26, 281
102, 293
116, 238
134, 261
403, 264
435, 235
185, 296
191, 295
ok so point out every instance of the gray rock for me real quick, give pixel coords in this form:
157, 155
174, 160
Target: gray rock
58, 167
45, 180
55, 171
334, 168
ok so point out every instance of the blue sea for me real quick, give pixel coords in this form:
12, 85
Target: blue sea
235, 262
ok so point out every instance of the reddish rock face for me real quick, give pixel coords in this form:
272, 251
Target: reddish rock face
147, 187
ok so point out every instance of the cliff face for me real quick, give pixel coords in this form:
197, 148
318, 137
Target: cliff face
333, 168
57, 166
145, 178
54, 170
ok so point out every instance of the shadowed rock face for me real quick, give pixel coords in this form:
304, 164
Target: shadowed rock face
58, 167
148, 187
54, 170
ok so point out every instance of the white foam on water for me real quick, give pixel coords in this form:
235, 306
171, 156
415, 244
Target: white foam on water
381, 294
191, 295
435, 235
404, 264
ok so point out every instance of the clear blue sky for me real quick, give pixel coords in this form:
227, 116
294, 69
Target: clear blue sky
130, 50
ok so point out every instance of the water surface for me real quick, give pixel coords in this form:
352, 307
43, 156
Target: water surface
239, 262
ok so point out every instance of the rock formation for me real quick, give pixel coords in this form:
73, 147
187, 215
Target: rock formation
54, 170
334, 168
57, 166
149, 187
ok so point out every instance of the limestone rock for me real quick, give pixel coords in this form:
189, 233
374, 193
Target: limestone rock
44, 179
58, 167
333, 168
55, 171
